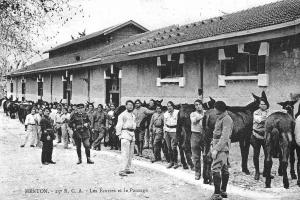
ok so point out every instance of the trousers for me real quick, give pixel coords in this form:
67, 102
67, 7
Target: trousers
127, 149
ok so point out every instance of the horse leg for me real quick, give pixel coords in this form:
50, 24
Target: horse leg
268, 159
244, 154
298, 164
285, 149
292, 161
182, 157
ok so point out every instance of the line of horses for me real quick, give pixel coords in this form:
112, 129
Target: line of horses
280, 135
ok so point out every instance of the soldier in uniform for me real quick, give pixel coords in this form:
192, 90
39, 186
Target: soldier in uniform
80, 123
111, 121
220, 150
47, 138
90, 112
156, 130
98, 127
140, 113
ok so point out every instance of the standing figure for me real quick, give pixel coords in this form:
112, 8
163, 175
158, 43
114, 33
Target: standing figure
30, 128
65, 118
258, 135
148, 136
220, 150
39, 117
58, 123
47, 138
125, 131
90, 112
156, 130
170, 125
197, 138
98, 127
112, 137
80, 123
140, 113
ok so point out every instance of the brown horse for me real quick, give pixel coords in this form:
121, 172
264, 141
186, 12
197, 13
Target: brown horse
242, 129
280, 141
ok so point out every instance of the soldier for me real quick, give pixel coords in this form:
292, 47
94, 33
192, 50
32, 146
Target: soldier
90, 112
148, 135
220, 150
140, 113
98, 127
80, 123
197, 138
156, 130
65, 118
125, 131
39, 116
170, 125
58, 123
47, 138
111, 120
30, 128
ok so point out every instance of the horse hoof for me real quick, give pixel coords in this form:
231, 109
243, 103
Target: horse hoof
294, 176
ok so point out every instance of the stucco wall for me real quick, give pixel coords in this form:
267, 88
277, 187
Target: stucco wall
139, 81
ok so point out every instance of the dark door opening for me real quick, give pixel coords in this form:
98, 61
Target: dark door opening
67, 90
112, 86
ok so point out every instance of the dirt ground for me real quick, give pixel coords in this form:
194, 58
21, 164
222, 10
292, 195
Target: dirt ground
24, 177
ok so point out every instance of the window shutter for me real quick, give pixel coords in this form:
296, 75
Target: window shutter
263, 49
158, 61
181, 58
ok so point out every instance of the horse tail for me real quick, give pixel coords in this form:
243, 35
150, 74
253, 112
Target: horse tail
275, 142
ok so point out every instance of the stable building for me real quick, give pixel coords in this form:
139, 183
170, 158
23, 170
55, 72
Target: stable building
227, 57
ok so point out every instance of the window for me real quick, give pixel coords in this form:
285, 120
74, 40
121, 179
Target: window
248, 63
11, 87
23, 87
40, 88
171, 68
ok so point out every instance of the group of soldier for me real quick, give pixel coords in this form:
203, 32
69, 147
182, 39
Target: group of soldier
88, 125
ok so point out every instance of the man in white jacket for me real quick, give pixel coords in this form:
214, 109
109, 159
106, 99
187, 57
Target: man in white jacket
125, 131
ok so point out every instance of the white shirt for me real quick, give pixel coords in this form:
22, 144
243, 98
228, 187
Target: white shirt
297, 130
38, 118
196, 122
52, 114
30, 119
170, 119
126, 120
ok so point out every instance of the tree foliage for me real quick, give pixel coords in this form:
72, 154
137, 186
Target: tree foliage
22, 22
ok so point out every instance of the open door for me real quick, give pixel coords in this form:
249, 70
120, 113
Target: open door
112, 85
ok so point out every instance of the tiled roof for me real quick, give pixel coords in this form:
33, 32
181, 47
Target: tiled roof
253, 18
98, 33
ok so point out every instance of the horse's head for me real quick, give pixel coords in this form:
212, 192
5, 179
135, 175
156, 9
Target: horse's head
210, 104
288, 106
255, 104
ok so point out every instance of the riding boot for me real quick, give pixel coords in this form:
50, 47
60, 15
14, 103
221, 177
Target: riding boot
79, 157
217, 182
256, 165
171, 163
298, 172
141, 148
175, 159
88, 155
225, 178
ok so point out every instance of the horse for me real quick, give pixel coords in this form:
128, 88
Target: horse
24, 110
184, 132
242, 117
12, 108
280, 141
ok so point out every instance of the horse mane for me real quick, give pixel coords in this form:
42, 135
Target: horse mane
251, 106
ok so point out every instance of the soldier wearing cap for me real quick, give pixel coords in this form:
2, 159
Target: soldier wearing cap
79, 121
220, 150
98, 127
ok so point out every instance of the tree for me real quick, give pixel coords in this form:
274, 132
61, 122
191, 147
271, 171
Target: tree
23, 21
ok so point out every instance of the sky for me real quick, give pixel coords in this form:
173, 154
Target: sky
152, 14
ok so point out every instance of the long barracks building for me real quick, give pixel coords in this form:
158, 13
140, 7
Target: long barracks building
227, 57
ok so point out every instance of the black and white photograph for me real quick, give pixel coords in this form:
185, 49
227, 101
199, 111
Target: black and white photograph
149, 99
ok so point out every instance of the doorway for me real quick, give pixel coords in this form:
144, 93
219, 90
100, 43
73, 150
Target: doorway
112, 82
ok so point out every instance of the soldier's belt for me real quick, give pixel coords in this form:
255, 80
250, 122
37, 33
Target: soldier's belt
31, 124
161, 126
174, 126
217, 137
128, 129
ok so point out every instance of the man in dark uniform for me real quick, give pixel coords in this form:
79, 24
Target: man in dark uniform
98, 127
47, 138
220, 150
80, 123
